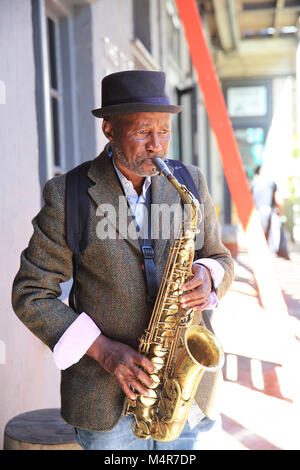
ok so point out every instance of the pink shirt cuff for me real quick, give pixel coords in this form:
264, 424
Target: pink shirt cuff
75, 341
217, 274
216, 270
213, 299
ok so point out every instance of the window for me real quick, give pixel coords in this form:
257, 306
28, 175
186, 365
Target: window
65, 124
173, 33
187, 121
249, 104
141, 15
49, 94
56, 95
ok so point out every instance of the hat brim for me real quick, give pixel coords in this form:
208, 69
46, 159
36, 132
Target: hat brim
127, 108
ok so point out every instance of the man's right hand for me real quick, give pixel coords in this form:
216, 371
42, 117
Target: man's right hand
122, 361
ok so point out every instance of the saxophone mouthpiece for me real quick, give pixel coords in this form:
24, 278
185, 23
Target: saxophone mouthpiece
161, 167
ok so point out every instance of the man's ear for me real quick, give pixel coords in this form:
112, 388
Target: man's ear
108, 130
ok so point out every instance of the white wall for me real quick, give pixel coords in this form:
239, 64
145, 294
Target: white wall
28, 377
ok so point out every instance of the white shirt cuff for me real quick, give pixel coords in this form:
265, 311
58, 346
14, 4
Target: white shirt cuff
75, 341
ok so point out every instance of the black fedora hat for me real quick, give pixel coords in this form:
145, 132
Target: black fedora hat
134, 91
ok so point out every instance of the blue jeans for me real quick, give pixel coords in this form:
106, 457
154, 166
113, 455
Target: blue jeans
121, 437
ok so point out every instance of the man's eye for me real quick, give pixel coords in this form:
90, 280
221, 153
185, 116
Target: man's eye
141, 132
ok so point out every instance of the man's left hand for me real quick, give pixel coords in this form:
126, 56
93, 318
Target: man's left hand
199, 288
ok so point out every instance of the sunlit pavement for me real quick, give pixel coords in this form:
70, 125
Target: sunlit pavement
260, 400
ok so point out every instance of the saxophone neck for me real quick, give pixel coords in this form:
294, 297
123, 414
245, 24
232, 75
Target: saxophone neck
165, 171
192, 213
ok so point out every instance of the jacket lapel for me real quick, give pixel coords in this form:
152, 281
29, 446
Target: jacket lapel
110, 199
107, 190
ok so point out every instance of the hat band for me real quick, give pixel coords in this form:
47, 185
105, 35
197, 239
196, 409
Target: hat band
162, 100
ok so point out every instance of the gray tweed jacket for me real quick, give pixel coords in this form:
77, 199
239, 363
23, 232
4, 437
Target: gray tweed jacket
110, 289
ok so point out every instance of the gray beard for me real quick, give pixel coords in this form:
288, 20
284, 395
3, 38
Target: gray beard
136, 165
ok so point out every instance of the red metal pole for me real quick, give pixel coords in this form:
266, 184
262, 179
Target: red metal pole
216, 109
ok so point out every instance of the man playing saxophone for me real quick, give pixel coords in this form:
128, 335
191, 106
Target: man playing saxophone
96, 344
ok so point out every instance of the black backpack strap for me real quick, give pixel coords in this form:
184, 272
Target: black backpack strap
148, 255
77, 209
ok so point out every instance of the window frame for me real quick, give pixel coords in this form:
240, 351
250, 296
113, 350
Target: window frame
69, 120
56, 94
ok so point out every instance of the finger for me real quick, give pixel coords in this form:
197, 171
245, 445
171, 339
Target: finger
201, 275
197, 277
132, 357
196, 302
194, 295
141, 376
202, 306
192, 283
138, 387
145, 363
126, 389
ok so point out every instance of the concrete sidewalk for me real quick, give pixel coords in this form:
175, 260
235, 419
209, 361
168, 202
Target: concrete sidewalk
260, 406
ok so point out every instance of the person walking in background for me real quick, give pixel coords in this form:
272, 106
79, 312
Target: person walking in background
269, 204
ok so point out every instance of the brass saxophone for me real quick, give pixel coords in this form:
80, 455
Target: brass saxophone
178, 367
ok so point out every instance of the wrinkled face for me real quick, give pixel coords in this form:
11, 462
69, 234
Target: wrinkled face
138, 137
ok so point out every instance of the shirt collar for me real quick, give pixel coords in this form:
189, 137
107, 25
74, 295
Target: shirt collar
124, 181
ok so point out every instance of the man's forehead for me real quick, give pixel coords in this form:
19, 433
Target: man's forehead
145, 119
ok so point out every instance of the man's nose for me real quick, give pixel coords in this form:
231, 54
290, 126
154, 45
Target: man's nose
153, 143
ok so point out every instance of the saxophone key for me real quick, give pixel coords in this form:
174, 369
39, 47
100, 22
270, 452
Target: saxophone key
158, 363
141, 429
155, 380
159, 351
150, 399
